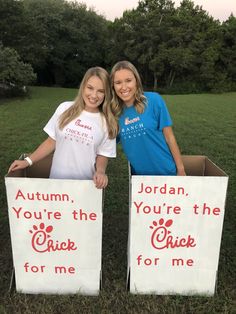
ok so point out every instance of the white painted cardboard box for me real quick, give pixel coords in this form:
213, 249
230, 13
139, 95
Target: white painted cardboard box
175, 229
56, 232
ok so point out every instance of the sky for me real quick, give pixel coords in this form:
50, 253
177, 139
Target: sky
219, 9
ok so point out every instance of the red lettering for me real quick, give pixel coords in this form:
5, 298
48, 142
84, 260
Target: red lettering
63, 270
41, 243
180, 262
83, 216
205, 210
19, 194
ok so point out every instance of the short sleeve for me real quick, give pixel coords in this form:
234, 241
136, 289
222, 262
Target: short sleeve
107, 147
161, 112
51, 127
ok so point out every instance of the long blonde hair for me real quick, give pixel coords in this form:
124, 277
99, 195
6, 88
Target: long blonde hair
140, 99
105, 108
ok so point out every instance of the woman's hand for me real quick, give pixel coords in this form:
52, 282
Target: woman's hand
181, 172
18, 164
100, 180
44, 149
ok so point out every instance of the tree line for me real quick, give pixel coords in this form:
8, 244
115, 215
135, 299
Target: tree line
53, 42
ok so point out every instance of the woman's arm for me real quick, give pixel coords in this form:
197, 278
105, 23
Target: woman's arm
100, 178
46, 148
174, 148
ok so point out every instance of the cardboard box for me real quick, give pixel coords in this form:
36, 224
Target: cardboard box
56, 232
175, 228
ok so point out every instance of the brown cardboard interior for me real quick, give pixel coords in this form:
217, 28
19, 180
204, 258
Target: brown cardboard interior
198, 166
212, 170
194, 166
39, 170
17, 174
201, 166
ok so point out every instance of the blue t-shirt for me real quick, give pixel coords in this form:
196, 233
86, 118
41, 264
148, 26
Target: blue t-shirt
142, 138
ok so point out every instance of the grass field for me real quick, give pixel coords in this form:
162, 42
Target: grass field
204, 125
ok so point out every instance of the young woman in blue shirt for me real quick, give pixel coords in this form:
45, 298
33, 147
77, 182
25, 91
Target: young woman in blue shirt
145, 126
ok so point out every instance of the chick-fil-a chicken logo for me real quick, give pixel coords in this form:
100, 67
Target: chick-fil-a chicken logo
41, 240
163, 239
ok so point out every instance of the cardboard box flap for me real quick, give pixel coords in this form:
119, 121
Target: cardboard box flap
212, 169
41, 169
201, 166
16, 174
197, 166
194, 165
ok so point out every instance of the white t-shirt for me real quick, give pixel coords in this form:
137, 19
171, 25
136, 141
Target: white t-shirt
78, 144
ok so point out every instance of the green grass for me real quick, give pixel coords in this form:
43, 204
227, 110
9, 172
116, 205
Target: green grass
203, 124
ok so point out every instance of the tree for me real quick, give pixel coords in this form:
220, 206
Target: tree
11, 18
59, 39
172, 47
14, 74
228, 52
19, 30
158, 16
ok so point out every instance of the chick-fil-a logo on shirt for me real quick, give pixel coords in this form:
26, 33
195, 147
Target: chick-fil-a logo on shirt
162, 238
79, 123
130, 121
41, 240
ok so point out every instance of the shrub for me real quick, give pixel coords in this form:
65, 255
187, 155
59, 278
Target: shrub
15, 75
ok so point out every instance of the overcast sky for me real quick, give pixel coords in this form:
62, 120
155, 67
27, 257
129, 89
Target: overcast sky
219, 9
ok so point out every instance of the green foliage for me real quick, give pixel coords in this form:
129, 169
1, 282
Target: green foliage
198, 119
14, 74
59, 39
228, 50
173, 48
11, 22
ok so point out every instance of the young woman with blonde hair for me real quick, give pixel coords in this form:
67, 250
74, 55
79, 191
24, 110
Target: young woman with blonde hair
81, 133
145, 128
